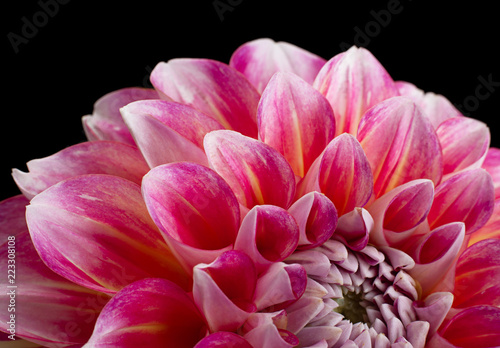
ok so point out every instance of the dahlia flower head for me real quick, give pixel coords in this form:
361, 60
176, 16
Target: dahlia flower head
277, 201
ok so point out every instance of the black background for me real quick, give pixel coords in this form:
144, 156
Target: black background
88, 49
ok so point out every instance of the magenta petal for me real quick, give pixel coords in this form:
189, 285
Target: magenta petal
353, 81
223, 339
194, 208
259, 59
492, 165
467, 196
106, 122
107, 215
267, 234
97, 157
477, 277
289, 114
400, 144
317, 218
256, 172
212, 87
354, 228
149, 313
223, 290
464, 142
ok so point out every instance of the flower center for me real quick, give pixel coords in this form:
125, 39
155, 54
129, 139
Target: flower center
351, 306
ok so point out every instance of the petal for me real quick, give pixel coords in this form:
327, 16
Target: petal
467, 196
256, 172
433, 309
267, 234
97, 157
464, 142
400, 144
478, 274
317, 219
296, 120
108, 216
491, 229
223, 339
492, 165
149, 313
106, 123
194, 208
223, 290
354, 228
259, 59
353, 81
342, 173
212, 87
268, 336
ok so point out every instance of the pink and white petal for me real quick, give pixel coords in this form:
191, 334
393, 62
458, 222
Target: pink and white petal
434, 309
464, 143
296, 120
150, 313
194, 208
96, 157
224, 289
268, 336
354, 229
212, 87
467, 197
492, 165
399, 212
400, 144
106, 123
491, 229
257, 173
223, 339
12, 216
353, 82
435, 107
267, 234
316, 217
478, 274
260, 59
107, 215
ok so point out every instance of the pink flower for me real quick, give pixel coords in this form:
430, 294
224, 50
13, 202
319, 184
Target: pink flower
278, 201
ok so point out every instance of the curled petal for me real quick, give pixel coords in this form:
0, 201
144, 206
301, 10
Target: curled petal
256, 172
106, 123
194, 208
477, 275
223, 339
151, 313
342, 173
317, 218
400, 144
434, 309
268, 336
467, 196
224, 289
212, 87
492, 165
354, 228
168, 132
296, 120
353, 81
267, 234
464, 142
491, 229
97, 157
108, 216
259, 59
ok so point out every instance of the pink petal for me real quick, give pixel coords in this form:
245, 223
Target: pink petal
317, 218
464, 142
259, 59
467, 196
194, 208
354, 228
477, 279
353, 81
106, 122
267, 234
256, 172
223, 290
149, 313
342, 173
223, 339
435, 107
400, 144
212, 87
492, 165
491, 229
108, 216
97, 157
296, 120
434, 309
268, 336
